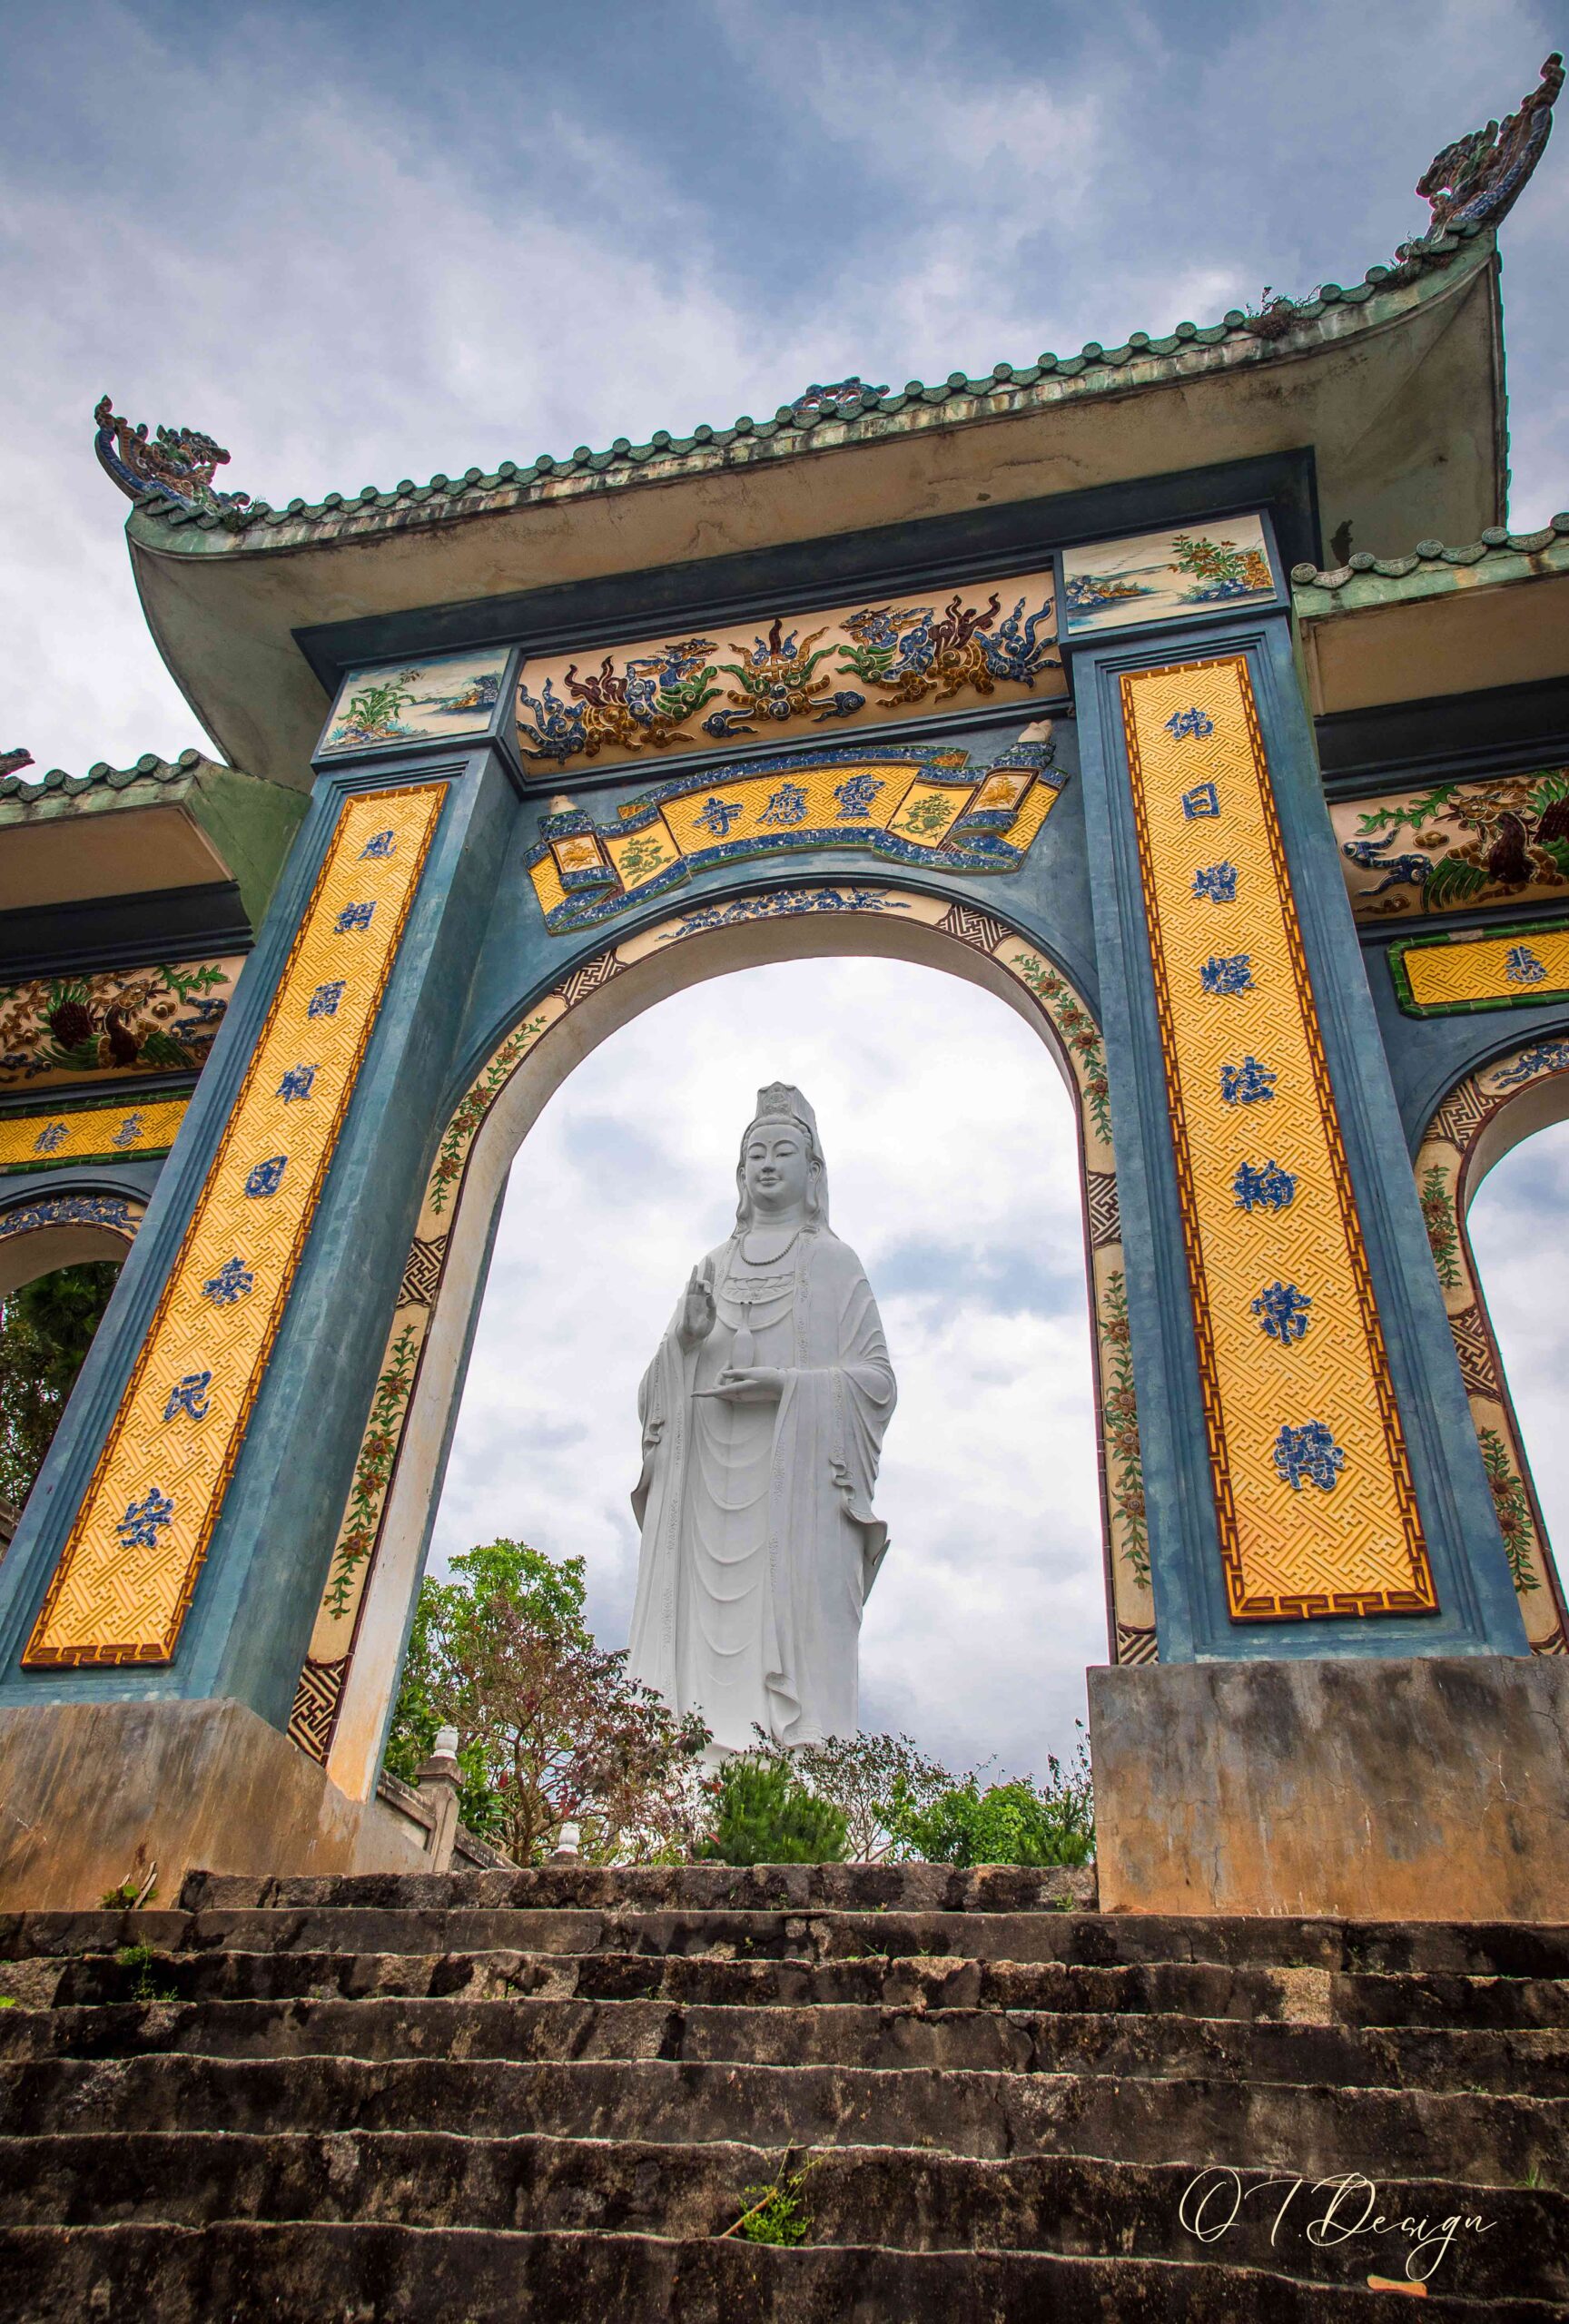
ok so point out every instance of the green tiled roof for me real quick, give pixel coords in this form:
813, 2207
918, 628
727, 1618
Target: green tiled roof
1285, 328
1498, 555
102, 776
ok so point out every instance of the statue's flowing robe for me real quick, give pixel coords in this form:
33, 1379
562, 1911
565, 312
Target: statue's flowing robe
759, 1539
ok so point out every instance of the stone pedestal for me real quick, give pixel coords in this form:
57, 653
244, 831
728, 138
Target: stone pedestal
93, 1794
1431, 1788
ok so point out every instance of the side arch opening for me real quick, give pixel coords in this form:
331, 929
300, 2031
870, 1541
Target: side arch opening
1484, 1119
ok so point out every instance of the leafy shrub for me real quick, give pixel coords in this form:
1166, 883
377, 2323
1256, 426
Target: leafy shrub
763, 1817
862, 1774
549, 1727
1022, 1823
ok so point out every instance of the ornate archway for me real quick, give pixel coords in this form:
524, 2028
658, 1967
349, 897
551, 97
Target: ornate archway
345, 1686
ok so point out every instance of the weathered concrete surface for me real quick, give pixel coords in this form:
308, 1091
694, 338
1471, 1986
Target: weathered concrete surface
1429, 1788
90, 1791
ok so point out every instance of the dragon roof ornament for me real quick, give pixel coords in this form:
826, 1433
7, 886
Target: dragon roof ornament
13, 762
1480, 177
176, 463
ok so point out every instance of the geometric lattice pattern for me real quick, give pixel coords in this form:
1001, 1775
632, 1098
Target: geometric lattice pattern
130, 1566
114, 1132
1313, 1490
1524, 964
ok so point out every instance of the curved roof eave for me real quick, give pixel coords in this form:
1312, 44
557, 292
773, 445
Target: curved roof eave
1396, 385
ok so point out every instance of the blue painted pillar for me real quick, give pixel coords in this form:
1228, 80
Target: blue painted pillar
176, 1544
1313, 1480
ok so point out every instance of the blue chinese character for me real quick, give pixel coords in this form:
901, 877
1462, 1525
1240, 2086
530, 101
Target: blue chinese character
140, 1527
129, 1131
1270, 1188
1217, 881
1521, 965
719, 814
855, 796
323, 1001
50, 1137
296, 1083
1231, 974
264, 1178
352, 918
1246, 1084
1308, 1451
189, 1395
231, 1282
1194, 723
381, 843
788, 806
1202, 802
1282, 1312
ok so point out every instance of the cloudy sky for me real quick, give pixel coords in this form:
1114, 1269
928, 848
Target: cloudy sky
359, 244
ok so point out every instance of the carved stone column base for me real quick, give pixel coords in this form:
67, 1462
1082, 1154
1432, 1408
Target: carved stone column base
1421, 1788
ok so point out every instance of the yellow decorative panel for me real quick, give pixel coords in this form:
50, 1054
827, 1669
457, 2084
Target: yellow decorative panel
111, 1133
1444, 975
926, 808
1312, 1485
130, 1566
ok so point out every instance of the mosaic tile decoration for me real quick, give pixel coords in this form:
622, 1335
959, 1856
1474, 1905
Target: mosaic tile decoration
1314, 1499
127, 1572
1164, 576
444, 698
112, 1211
60, 1030
912, 807
1444, 1168
794, 673
113, 1129
325, 1672
1456, 846
1463, 973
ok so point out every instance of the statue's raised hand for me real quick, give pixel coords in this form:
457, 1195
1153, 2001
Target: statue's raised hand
697, 1309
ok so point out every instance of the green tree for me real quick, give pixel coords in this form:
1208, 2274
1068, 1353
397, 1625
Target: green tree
862, 1776
762, 1815
1009, 1822
46, 1330
549, 1726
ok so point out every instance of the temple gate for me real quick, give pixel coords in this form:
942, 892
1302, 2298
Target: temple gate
1275, 857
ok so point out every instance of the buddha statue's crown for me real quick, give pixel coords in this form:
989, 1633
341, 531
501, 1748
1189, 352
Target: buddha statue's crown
781, 1101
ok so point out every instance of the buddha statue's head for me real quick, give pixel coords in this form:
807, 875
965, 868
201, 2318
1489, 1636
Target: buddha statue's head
781, 1173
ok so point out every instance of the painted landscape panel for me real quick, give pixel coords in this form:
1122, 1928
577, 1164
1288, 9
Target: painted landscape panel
1164, 576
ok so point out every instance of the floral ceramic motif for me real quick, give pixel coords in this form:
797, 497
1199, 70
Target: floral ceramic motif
449, 695
1163, 577
161, 1020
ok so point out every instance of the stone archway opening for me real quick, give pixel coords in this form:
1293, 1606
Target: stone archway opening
346, 1684
952, 1161
1493, 1176
1517, 1224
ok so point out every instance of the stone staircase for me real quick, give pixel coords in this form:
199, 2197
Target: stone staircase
551, 2093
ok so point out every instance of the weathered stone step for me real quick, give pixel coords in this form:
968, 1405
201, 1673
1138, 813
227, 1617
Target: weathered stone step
1531, 2063
665, 1888
1190, 1989
1481, 1948
1474, 2139
1484, 2244
402, 2275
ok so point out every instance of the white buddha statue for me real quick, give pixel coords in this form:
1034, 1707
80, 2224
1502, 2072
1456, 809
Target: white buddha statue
762, 1415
